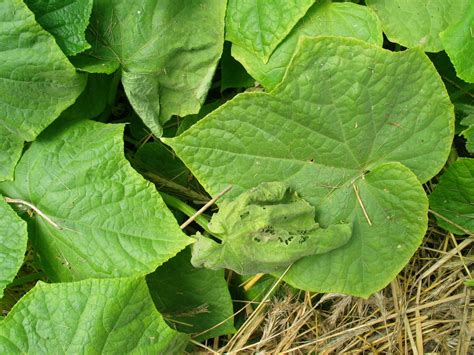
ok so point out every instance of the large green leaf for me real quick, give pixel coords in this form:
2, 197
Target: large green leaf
167, 50
323, 19
345, 111
419, 23
458, 41
66, 20
37, 82
260, 25
88, 317
453, 197
13, 238
112, 222
195, 301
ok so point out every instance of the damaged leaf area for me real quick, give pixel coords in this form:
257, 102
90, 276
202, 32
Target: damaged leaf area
264, 230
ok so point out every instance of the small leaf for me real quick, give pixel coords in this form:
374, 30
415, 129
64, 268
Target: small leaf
97, 97
156, 158
167, 52
113, 223
233, 74
13, 238
38, 82
322, 19
195, 301
90, 316
66, 20
265, 230
259, 26
418, 23
466, 124
458, 90
336, 130
453, 197
458, 41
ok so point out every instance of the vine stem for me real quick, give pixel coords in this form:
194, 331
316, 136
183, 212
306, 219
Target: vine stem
179, 205
34, 208
25, 279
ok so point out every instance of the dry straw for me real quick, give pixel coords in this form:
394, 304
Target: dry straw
426, 309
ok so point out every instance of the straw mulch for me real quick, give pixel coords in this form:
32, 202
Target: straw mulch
426, 309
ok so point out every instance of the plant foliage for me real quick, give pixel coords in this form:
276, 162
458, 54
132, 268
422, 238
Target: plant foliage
119, 119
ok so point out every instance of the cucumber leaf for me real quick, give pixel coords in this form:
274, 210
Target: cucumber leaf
38, 82
13, 239
458, 41
265, 230
66, 20
453, 197
167, 51
90, 316
194, 301
322, 19
111, 221
259, 26
418, 23
336, 130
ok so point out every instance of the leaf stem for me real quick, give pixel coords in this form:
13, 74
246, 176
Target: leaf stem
461, 92
179, 205
34, 208
190, 194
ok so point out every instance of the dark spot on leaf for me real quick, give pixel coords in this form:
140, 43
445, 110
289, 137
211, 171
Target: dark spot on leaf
244, 215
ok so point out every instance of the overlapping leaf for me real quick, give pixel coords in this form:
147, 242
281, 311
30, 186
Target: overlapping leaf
322, 19
458, 41
196, 301
37, 81
259, 26
111, 222
66, 20
91, 316
13, 238
335, 129
167, 51
418, 23
453, 197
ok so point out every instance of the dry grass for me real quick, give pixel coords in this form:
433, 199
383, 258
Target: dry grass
426, 309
